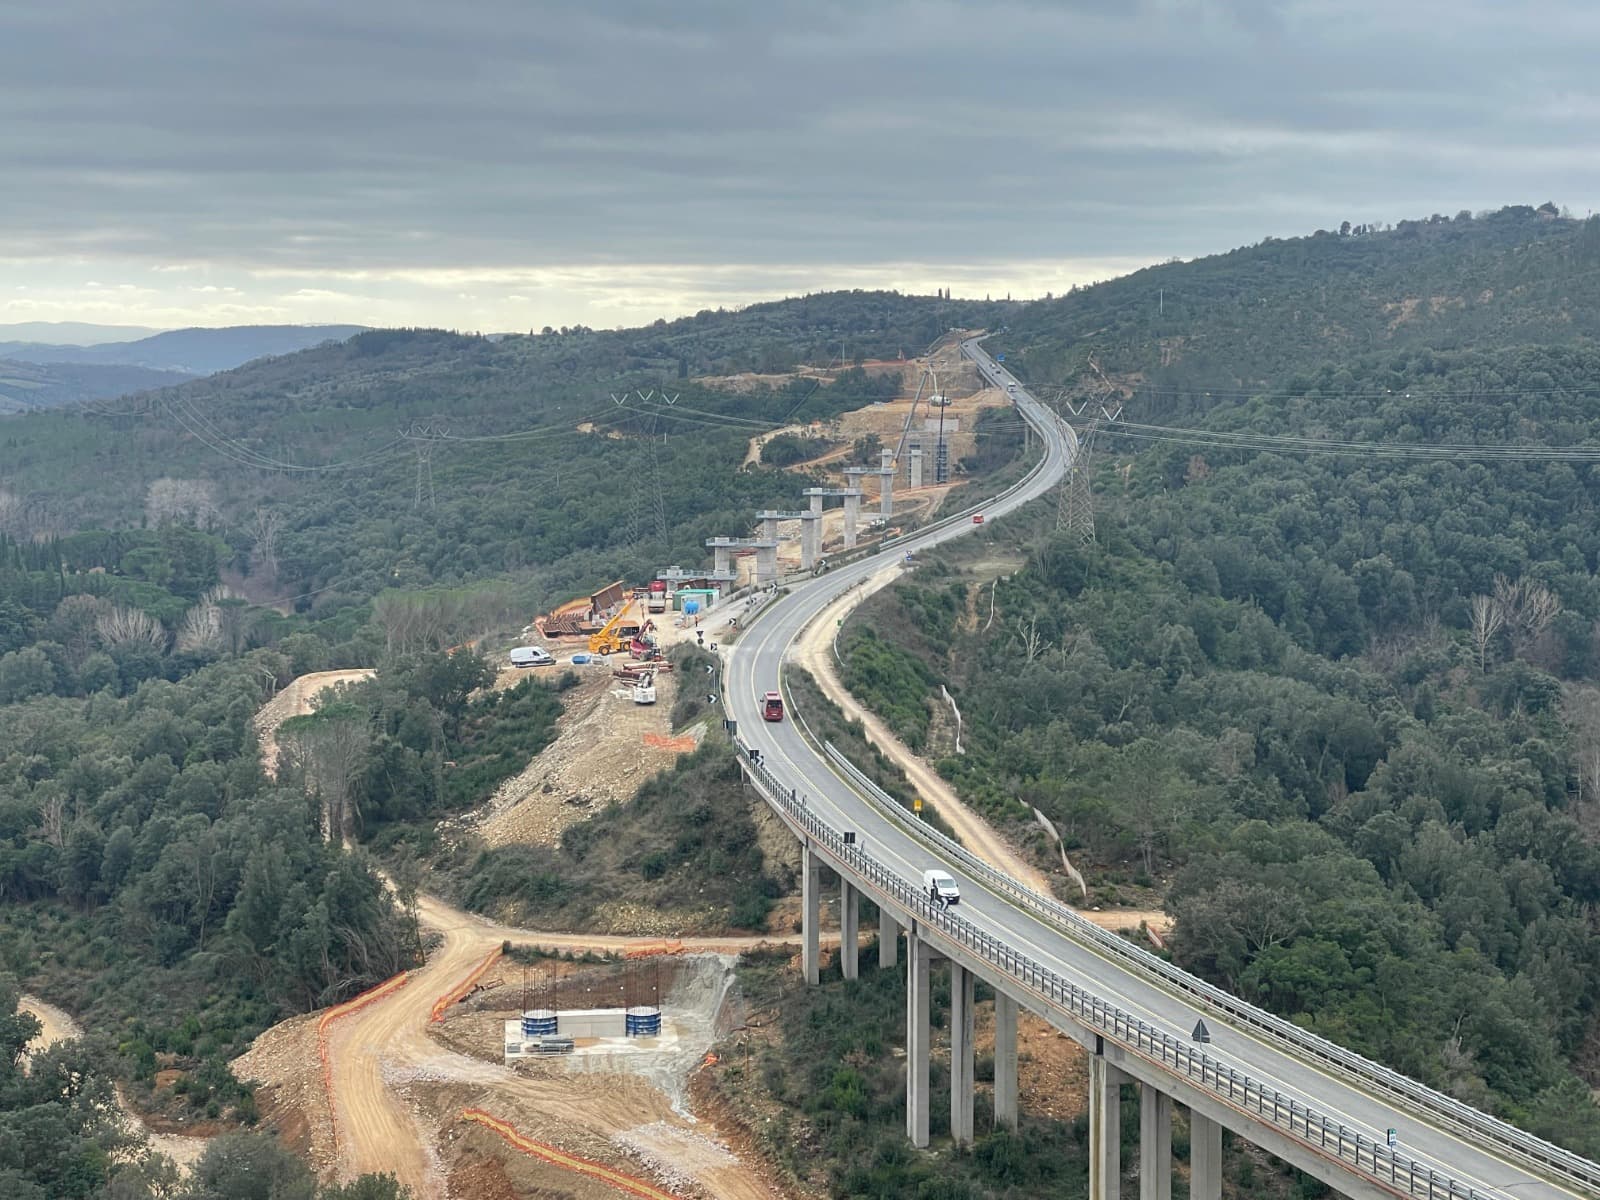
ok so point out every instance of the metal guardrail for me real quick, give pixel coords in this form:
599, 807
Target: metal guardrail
1453, 1114
1374, 1076
1463, 1118
1364, 1155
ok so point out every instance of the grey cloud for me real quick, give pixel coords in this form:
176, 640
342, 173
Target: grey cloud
393, 134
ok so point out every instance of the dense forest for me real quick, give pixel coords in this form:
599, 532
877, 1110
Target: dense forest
1334, 701
1337, 705
162, 575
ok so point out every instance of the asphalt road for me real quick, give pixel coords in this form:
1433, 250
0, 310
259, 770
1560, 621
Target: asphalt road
753, 667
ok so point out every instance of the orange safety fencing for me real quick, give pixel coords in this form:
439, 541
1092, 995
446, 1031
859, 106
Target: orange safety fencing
355, 1004
561, 1158
649, 949
678, 745
465, 986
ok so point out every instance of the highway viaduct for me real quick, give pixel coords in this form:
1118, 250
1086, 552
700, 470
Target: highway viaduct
1313, 1104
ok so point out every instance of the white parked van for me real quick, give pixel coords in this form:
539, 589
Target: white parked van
531, 656
940, 888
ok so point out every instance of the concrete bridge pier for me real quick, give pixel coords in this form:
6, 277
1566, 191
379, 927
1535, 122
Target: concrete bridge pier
1005, 1068
1155, 1143
888, 939
918, 1035
914, 467
816, 502
1105, 1130
810, 540
962, 996
769, 528
886, 479
810, 913
1205, 1158
852, 517
849, 921
721, 559
767, 562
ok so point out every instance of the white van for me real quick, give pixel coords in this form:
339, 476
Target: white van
531, 656
940, 888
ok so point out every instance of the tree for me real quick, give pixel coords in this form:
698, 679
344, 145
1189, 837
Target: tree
1487, 618
190, 500
328, 751
129, 626
367, 1187
250, 1166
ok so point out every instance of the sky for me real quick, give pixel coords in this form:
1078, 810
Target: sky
511, 164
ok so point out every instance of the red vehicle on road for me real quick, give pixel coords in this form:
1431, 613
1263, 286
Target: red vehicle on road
977, 519
772, 706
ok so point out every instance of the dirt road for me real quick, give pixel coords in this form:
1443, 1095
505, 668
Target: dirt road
295, 701
58, 1026
384, 1051
814, 652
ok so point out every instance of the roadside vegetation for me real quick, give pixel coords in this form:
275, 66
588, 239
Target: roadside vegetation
1339, 711
684, 853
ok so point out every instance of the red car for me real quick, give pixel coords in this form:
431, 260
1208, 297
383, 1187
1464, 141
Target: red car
978, 519
772, 706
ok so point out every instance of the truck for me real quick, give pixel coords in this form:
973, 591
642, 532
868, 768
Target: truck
657, 602
940, 887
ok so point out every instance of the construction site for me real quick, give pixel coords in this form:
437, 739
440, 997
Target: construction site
475, 1075
921, 435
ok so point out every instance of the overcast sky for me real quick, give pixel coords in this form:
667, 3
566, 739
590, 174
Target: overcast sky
507, 164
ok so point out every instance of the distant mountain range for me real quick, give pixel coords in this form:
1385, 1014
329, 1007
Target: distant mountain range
72, 333
25, 386
189, 351
47, 374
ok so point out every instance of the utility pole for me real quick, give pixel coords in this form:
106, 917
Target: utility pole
422, 437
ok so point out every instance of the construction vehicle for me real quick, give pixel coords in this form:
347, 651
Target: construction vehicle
658, 596
616, 634
644, 691
643, 646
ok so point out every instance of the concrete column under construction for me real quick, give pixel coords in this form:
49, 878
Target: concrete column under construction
721, 559
810, 913
918, 1034
1005, 1063
1205, 1158
888, 939
914, 467
849, 922
810, 540
1105, 1130
767, 563
1155, 1143
962, 997
886, 482
852, 517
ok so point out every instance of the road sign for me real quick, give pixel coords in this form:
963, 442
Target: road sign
1392, 1139
999, 358
1201, 1033
916, 804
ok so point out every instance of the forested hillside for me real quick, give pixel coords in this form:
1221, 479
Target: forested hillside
26, 385
168, 563
1335, 701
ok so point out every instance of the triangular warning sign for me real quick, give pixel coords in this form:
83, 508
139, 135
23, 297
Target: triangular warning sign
1201, 1033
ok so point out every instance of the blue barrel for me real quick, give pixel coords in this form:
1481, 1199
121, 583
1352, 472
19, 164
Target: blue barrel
643, 1022
538, 1022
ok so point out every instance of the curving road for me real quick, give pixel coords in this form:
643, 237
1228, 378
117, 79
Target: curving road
754, 665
